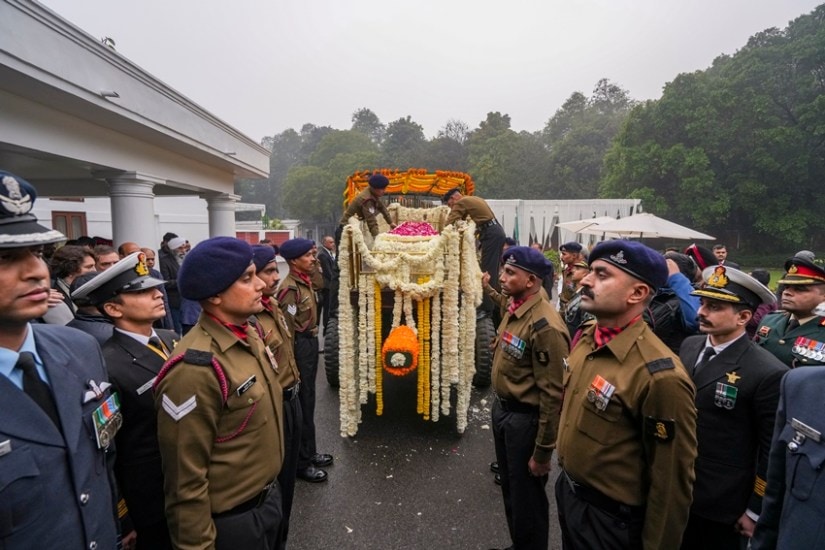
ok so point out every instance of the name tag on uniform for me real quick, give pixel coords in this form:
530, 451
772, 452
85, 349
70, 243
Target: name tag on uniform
805, 430
5, 447
147, 386
107, 420
513, 345
243, 388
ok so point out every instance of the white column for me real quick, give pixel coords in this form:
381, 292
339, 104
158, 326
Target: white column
132, 199
221, 209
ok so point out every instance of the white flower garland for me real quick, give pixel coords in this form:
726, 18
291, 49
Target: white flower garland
349, 406
435, 360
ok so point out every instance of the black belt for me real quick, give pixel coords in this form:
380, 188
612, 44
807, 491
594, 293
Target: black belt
604, 502
513, 406
291, 392
250, 504
485, 225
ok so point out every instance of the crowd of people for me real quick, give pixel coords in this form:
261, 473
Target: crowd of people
174, 407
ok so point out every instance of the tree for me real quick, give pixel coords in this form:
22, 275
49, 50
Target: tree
404, 144
368, 123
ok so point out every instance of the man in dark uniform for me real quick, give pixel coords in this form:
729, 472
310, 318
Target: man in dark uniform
794, 504
527, 377
329, 271
55, 436
489, 232
366, 206
570, 254
737, 391
296, 297
219, 410
278, 338
627, 433
135, 353
795, 334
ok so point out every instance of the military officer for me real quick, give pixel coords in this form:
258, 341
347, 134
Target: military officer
219, 410
794, 506
737, 391
795, 334
571, 253
134, 354
280, 341
296, 297
627, 433
58, 412
527, 374
366, 206
488, 231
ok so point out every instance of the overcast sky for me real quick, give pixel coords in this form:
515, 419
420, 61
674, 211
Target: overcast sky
267, 65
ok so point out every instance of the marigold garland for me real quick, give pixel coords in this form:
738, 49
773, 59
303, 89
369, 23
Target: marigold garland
400, 351
416, 181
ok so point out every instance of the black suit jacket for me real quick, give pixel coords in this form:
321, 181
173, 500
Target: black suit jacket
329, 267
734, 433
132, 369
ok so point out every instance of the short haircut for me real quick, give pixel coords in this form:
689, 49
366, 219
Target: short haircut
719, 246
103, 249
68, 259
761, 275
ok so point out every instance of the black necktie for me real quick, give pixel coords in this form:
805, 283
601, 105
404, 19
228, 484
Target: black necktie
792, 324
35, 387
707, 355
157, 346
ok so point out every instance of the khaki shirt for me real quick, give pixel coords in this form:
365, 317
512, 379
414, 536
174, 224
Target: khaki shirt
216, 455
641, 448
533, 374
280, 341
366, 205
474, 208
298, 303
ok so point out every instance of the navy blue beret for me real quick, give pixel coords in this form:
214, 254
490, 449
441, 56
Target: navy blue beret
572, 246
528, 259
212, 267
378, 181
295, 248
262, 255
635, 259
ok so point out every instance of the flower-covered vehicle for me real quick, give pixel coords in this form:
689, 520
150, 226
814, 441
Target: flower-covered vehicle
407, 302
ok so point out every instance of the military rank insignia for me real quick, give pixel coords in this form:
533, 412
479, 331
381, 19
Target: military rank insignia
600, 392
725, 397
660, 429
732, 377
763, 331
512, 345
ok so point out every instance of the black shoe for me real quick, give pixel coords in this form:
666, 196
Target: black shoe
497, 479
312, 474
494, 467
321, 460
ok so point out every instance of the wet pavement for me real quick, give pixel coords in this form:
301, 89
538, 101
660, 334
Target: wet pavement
403, 483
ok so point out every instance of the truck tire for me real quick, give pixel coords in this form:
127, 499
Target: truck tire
485, 333
331, 352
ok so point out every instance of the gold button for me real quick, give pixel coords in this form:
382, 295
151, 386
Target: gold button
782, 341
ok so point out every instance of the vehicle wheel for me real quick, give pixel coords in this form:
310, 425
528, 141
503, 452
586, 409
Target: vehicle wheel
485, 334
331, 352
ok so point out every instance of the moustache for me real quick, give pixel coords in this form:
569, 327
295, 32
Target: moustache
587, 291
704, 322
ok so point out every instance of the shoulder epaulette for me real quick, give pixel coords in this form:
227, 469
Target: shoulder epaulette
283, 292
665, 363
197, 357
540, 324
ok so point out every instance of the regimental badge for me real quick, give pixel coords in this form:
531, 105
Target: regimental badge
725, 397
14, 201
718, 278
107, 421
619, 257
141, 268
600, 392
793, 269
512, 345
543, 357
732, 377
662, 430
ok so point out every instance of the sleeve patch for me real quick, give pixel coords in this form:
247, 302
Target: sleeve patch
540, 324
542, 356
665, 363
660, 429
197, 357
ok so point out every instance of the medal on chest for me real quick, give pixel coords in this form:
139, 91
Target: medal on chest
725, 397
600, 392
512, 345
107, 420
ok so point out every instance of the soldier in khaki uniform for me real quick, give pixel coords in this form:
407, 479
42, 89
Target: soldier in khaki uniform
219, 407
571, 253
367, 205
296, 297
489, 232
627, 433
279, 339
527, 375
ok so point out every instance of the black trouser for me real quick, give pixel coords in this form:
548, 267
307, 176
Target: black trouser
706, 534
585, 526
255, 529
306, 356
525, 499
491, 239
286, 479
154, 536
